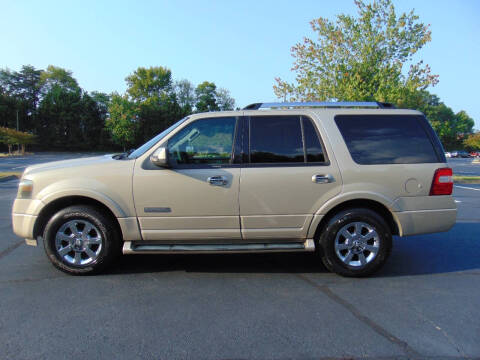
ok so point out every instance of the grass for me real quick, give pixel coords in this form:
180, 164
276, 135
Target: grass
15, 154
460, 179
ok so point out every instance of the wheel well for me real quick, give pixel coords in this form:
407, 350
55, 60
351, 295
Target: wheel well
360, 203
53, 207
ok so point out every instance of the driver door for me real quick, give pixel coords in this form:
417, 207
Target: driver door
195, 200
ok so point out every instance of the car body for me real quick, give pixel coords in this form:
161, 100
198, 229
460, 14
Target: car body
448, 155
475, 153
284, 178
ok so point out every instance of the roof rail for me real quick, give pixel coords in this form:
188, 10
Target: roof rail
340, 104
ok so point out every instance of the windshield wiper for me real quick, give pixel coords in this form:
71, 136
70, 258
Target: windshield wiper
124, 155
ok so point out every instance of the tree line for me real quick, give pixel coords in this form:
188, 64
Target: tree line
368, 57
50, 109
372, 57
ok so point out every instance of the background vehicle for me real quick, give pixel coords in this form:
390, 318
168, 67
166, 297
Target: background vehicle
339, 178
460, 154
448, 155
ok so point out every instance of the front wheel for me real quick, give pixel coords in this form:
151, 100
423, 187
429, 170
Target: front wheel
81, 240
355, 243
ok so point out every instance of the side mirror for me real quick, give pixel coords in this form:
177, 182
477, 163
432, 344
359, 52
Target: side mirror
159, 157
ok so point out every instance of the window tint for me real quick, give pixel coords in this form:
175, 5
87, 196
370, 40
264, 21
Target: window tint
205, 141
276, 139
382, 139
312, 143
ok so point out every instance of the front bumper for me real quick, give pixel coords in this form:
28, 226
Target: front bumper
24, 215
23, 225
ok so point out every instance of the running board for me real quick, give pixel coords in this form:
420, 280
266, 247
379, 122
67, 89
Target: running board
136, 247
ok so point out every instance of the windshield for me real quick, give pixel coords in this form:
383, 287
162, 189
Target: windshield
141, 150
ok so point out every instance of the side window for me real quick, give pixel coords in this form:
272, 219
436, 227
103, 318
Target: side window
205, 141
313, 148
276, 139
387, 139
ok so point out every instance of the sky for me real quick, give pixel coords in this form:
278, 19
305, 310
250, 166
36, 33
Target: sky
240, 45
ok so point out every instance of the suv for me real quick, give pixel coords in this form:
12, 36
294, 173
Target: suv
339, 178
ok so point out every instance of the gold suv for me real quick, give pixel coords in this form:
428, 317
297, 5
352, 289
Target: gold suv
339, 178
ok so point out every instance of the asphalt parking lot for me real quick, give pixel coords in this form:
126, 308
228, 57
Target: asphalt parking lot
423, 304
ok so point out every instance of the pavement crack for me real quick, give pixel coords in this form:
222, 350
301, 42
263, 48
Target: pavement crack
410, 352
444, 333
26, 280
11, 248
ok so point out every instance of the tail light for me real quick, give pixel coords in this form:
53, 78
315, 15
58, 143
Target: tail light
442, 182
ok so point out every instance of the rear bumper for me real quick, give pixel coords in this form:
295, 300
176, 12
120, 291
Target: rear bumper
23, 225
425, 221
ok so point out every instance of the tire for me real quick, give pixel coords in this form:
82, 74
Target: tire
348, 254
74, 229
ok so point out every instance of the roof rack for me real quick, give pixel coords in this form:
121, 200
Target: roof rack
340, 104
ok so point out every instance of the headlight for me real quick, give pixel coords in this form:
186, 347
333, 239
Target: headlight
25, 189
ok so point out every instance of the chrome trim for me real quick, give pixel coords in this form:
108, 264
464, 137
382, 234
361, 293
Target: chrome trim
217, 180
130, 247
322, 179
322, 104
78, 242
157, 210
357, 244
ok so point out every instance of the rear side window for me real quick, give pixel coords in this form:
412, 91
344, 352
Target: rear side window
387, 139
284, 139
313, 148
276, 139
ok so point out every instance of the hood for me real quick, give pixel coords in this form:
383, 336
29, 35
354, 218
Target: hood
63, 164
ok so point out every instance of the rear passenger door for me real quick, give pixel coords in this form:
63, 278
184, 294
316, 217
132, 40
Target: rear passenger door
287, 177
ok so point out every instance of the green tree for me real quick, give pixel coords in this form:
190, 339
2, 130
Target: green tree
473, 141
144, 84
206, 97
11, 137
185, 92
361, 58
463, 123
224, 100
7, 138
24, 87
153, 91
450, 127
59, 116
123, 120
58, 77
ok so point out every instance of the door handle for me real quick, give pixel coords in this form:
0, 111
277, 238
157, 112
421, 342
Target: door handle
323, 178
217, 180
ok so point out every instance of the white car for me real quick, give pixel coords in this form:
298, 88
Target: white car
448, 155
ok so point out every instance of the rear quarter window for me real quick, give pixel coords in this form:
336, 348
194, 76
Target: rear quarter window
388, 139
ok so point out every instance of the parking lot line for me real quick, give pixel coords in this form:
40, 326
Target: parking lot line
466, 187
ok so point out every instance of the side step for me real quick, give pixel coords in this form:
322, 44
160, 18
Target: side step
138, 247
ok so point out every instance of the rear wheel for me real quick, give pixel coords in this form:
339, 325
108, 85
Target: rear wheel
355, 242
81, 240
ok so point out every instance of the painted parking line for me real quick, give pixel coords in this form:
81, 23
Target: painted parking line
20, 167
466, 187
